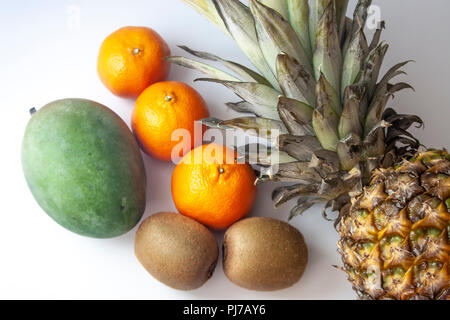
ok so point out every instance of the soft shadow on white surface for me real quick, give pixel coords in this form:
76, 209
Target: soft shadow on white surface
44, 57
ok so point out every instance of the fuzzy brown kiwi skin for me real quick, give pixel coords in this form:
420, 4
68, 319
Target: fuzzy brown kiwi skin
176, 250
264, 254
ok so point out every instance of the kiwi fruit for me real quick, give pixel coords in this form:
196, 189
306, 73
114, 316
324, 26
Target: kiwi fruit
176, 250
264, 254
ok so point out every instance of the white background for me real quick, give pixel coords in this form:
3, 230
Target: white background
46, 55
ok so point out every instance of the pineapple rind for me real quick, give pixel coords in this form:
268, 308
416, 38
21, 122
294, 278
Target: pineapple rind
405, 222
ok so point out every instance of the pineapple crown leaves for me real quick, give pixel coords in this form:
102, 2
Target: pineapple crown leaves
317, 79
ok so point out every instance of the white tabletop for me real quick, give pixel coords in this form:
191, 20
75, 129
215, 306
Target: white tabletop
48, 51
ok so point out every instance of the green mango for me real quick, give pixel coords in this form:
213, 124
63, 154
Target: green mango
84, 168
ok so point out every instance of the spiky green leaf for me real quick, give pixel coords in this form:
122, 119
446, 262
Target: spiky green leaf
299, 147
296, 115
241, 106
327, 95
259, 127
203, 68
240, 23
327, 53
358, 92
243, 72
302, 111
373, 145
376, 109
375, 112
371, 68
325, 162
298, 11
349, 151
260, 111
359, 20
341, 15
278, 6
275, 35
254, 129
298, 171
295, 81
316, 11
262, 97
353, 60
390, 74
349, 122
325, 123
260, 154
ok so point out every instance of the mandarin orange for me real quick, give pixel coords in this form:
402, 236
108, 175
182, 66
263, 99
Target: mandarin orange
209, 186
131, 59
160, 110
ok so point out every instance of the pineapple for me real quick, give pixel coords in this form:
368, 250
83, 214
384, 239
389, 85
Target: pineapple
395, 236
318, 84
